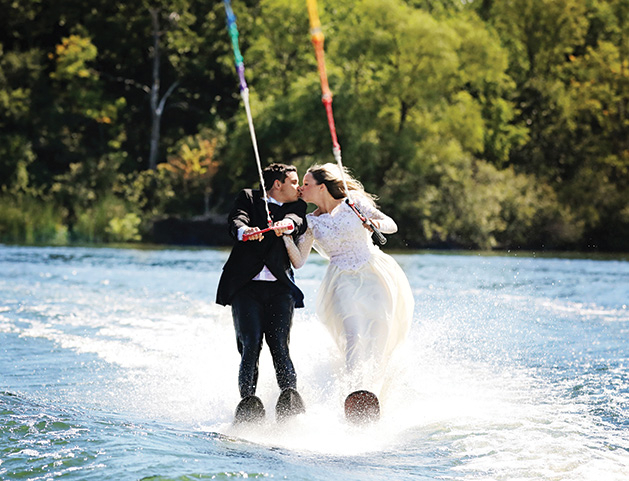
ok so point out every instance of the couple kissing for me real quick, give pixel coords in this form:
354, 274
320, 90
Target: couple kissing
364, 299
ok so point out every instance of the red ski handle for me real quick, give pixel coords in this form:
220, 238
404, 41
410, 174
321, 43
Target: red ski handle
377, 235
246, 237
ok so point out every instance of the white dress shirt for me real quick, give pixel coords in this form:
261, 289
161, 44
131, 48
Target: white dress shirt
265, 274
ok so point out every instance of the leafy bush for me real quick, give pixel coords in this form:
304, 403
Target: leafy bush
27, 219
124, 229
108, 220
467, 203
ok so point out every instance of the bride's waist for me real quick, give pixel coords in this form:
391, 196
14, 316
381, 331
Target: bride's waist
351, 261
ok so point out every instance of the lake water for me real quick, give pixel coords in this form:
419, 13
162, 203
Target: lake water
116, 364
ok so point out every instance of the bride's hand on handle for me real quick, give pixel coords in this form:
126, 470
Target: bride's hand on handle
282, 227
374, 222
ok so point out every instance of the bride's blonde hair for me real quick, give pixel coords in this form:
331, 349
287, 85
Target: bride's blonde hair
330, 175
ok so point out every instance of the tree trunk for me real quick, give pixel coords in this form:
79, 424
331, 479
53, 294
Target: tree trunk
155, 113
206, 202
157, 106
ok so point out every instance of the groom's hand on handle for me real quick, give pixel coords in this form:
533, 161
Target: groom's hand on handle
253, 233
280, 228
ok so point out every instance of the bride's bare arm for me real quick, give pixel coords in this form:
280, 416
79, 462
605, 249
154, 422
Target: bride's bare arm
299, 253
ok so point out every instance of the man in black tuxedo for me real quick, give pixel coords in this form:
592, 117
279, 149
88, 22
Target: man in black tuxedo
258, 282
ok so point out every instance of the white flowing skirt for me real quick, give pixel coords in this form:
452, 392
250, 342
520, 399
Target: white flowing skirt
368, 312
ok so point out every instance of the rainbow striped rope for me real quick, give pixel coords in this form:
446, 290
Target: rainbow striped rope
244, 93
326, 97
326, 94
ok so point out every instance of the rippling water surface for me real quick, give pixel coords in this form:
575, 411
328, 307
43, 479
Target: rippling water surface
117, 364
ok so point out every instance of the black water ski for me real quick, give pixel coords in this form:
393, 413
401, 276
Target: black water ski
289, 404
362, 407
249, 410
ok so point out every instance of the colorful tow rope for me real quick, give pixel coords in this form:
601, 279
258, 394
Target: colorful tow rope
244, 93
326, 95
318, 39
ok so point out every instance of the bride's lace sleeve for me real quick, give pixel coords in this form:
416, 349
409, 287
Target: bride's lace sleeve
298, 253
383, 221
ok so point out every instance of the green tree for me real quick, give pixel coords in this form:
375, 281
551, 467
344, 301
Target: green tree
540, 35
480, 123
18, 77
597, 80
81, 94
569, 60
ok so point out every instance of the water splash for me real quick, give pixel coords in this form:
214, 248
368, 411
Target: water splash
499, 379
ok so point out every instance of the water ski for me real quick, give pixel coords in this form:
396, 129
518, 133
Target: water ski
289, 404
362, 407
249, 409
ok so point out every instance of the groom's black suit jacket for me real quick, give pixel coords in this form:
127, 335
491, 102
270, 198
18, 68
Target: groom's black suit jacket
247, 258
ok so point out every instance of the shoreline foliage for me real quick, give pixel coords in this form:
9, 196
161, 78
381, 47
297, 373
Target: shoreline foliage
479, 124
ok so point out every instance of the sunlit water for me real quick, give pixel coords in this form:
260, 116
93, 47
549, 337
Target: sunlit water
117, 364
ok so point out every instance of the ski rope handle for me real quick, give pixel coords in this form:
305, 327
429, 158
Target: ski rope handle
326, 97
244, 93
262, 231
377, 235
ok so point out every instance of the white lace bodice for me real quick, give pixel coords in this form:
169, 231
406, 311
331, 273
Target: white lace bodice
340, 235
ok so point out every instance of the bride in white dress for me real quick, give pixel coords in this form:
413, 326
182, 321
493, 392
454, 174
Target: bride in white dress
364, 299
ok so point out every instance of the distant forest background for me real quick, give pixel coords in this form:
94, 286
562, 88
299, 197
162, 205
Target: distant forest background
480, 124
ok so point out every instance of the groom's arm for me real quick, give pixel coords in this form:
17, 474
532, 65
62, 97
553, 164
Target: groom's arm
239, 216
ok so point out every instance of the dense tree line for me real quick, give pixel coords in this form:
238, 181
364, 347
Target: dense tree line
479, 123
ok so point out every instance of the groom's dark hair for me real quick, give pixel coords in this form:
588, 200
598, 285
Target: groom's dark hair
276, 172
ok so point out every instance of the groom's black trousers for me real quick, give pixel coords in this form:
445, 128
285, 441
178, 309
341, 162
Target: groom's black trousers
263, 310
